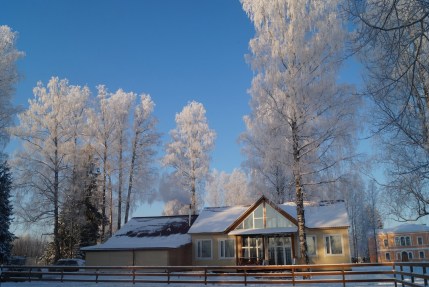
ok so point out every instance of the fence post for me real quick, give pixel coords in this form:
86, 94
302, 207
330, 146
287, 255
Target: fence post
205, 276
411, 271
134, 276
96, 275
293, 276
168, 276
424, 273
394, 274
401, 268
344, 276
245, 277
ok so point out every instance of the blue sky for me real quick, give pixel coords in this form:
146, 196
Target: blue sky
177, 51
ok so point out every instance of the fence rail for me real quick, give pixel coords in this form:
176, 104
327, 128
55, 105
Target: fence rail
399, 274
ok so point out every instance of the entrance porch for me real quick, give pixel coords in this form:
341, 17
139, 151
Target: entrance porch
267, 249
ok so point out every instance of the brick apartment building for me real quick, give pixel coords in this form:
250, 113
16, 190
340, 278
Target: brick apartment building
403, 243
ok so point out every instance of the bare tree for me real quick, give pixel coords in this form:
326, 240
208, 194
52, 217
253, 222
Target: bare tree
393, 41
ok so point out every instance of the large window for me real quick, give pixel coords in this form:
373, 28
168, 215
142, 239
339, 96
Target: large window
273, 219
403, 241
226, 248
204, 249
420, 240
311, 245
252, 248
333, 245
386, 243
421, 254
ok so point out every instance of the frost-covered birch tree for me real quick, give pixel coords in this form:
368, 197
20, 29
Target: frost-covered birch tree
393, 41
267, 159
296, 55
224, 189
8, 77
102, 126
48, 139
143, 143
188, 151
121, 104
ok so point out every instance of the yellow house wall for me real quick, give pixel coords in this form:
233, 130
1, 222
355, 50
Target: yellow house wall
109, 258
215, 260
321, 257
151, 258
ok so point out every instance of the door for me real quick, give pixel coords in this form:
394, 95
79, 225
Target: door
280, 251
404, 256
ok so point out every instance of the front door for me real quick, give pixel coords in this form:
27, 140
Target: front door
280, 250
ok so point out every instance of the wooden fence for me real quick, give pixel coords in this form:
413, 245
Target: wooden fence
398, 274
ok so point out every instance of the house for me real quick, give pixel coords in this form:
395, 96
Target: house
147, 241
262, 233
403, 243
266, 233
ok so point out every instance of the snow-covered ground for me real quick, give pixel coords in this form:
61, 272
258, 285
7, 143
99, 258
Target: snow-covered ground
121, 284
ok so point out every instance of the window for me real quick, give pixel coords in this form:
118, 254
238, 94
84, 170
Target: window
408, 241
333, 245
403, 241
410, 255
204, 249
387, 256
420, 240
226, 248
252, 248
311, 245
397, 241
386, 243
398, 256
273, 219
422, 254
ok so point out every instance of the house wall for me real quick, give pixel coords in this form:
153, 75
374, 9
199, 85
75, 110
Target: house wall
393, 249
151, 257
180, 256
109, 258
321, 256
215, 259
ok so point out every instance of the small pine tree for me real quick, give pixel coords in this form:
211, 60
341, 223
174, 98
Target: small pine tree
6, 237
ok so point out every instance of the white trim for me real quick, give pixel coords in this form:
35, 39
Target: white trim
220, 249
197, 245
342, 245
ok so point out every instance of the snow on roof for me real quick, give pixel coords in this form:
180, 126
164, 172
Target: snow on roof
405, 228
149, 233
317, 215
217, 219
322, 214
264, 231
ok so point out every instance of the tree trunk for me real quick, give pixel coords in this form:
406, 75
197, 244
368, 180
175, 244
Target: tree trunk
57, 241
103, 207
121, 171
111, 207
130, 179
299, 195
193, 197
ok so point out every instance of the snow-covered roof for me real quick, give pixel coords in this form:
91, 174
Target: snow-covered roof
217, 219
148, 233
264, 231
405, 228
321, 215
317, 215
